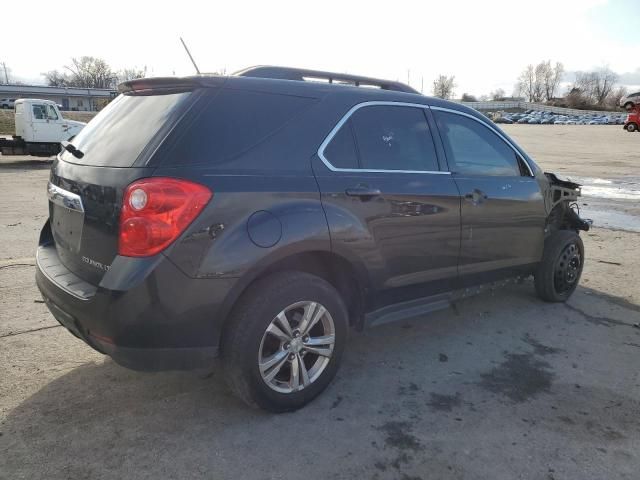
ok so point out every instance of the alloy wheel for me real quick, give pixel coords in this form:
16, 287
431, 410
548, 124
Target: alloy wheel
296, 347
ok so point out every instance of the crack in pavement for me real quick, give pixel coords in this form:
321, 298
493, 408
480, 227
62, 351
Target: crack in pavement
14, 262
605, 321
13, 334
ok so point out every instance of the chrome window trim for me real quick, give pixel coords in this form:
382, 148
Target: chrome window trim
64, 198
464, 114
346, 117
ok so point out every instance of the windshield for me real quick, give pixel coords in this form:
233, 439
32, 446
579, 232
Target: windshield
120, 132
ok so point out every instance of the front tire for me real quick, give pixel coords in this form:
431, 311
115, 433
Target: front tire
631, 127
559, 272
283, 343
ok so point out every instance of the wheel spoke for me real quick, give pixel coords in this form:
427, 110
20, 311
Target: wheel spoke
306, 316
272, 365
283, 321
312, 314
323, 352
303, 371
320, 341
294, 380
274, 330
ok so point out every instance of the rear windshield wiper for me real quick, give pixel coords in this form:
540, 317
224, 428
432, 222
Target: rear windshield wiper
69, 147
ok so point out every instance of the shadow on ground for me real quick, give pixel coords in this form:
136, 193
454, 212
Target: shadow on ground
498, 387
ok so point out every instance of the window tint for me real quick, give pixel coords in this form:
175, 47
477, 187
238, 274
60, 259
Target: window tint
394, 138
341, 151
38, 112
232, 122
119, 133
473, 149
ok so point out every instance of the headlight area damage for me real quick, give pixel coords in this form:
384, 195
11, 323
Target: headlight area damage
561, 200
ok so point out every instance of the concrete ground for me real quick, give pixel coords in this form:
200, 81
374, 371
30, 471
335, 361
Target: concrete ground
502, 386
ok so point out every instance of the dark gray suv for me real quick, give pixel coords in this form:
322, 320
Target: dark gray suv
261, 215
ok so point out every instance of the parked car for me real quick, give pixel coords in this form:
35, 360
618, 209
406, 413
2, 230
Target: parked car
258, 216
629, 101
632, 122
7, 102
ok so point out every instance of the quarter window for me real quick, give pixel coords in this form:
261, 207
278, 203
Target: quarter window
473, 149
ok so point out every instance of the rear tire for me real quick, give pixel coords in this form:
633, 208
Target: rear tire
559, 271
267, 332
631, 127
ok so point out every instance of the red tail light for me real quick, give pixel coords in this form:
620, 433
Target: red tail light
155, 211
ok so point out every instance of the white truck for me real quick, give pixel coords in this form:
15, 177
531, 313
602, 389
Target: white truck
40, 128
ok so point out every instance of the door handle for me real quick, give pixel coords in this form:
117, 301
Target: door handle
476, 196
363, 191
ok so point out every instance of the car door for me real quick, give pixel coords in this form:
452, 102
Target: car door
502, 209
388, 202
45, 123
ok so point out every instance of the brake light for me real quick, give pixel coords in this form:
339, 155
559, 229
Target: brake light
155, 211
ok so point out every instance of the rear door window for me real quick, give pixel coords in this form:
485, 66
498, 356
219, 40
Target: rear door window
120, 132
394, 138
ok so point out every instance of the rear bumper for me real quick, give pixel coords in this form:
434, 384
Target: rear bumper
164, 321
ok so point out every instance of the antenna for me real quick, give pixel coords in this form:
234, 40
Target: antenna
189, 53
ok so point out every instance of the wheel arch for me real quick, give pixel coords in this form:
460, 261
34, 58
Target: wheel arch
347, 277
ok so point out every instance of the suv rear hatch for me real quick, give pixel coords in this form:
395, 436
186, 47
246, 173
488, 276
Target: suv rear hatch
86, 186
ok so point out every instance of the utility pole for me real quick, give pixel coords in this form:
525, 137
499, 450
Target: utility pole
408, 74
6, 76
422, 84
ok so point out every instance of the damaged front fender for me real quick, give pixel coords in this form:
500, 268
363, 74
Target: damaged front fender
561, 198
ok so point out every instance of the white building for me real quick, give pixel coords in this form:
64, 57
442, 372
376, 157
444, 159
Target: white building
70, 98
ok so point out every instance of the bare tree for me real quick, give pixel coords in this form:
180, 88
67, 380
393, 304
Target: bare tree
91, 72
551, 77
539, 83
467, 97
131, 74
614, 97
605, 80
498, 94
444, 87
527, 83
55, 78
596, 86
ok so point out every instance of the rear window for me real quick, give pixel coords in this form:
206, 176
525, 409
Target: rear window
230, 123
120, 132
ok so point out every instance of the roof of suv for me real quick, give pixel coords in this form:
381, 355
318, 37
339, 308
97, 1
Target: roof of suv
295, 81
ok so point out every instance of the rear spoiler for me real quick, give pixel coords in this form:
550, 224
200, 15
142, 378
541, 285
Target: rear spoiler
160, 85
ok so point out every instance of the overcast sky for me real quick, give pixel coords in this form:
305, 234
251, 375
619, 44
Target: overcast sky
485, 44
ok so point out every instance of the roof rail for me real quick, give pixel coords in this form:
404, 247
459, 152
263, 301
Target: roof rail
302, 74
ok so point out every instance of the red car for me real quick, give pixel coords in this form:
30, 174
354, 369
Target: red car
633, 120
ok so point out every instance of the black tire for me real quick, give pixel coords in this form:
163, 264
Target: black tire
558, 275
631, 127
243, 338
